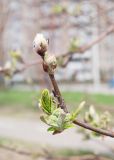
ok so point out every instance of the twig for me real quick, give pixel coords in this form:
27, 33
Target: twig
24, 67
77, 122
68, 54
49, 64
58, 93
83, 49
98, 130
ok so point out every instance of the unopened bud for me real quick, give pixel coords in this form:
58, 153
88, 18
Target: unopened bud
40, 44
8, 69
7, 65
51, 62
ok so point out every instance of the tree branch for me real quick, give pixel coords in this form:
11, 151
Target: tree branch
68, 55
92, 43
77, 122
25, 66
49, 65
98, 130
58, 93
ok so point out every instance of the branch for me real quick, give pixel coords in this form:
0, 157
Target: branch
49, 65
25, 66
83, 49
58, 93
68, 55
98, 130
77, 122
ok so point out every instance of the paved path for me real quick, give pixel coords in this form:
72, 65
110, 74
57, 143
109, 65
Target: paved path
33, 131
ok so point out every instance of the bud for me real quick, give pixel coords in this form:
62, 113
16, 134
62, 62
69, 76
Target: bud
40, 44
8, 69
8, 65
17, 56
51, 62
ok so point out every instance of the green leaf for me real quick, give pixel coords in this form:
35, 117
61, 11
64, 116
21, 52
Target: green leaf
58, 9
74, 45
68, 117
68, 125
57, 112
52, 121
44, 118
16, 55
92, 116
77, 111
50, 129
46, 102
60, 121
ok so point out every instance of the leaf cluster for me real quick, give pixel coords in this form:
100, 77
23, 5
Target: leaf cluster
54, 116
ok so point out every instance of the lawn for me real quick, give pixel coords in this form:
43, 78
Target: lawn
27, 99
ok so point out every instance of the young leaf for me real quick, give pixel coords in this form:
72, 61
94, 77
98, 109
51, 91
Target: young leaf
77, 111
50, 129
44, 118
45, 101
68, 125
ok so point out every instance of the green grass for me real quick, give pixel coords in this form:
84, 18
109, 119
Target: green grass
98, 99
12, 98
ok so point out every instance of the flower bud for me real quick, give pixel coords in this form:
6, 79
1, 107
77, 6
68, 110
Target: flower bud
8, 69
40, 44
51, 62
8, 65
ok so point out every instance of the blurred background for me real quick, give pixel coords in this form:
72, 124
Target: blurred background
81, 35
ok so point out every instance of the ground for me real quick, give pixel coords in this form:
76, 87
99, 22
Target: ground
33, 131
9, 155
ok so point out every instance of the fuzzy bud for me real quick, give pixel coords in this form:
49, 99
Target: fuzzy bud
40, 44
51, 62
8, 69
7, 65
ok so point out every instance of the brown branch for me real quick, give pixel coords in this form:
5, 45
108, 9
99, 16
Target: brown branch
84, 48
66, 61
58, 93
98, 130
25, 66
69, 54
46, 67
77, 122
3, 70
92, 43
